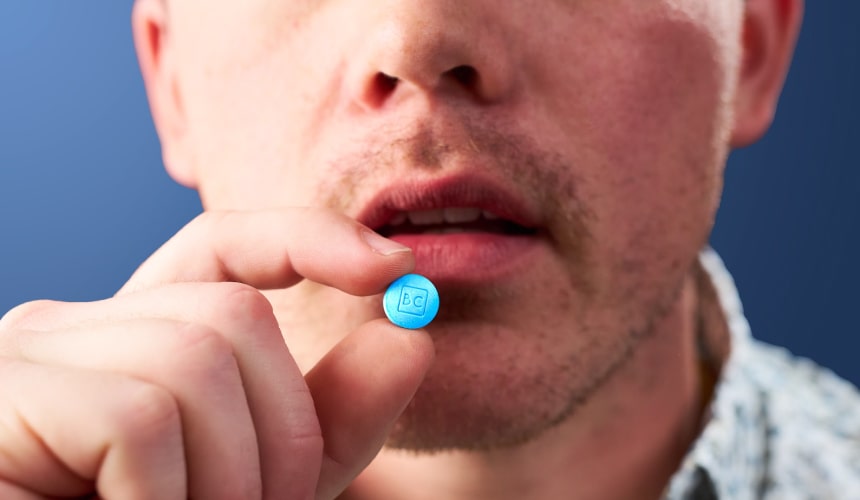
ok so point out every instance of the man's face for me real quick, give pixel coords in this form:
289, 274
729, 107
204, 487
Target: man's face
586, 138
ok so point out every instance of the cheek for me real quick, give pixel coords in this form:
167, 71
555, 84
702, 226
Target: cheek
651, 120
242, 101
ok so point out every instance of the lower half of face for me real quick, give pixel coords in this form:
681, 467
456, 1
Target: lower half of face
521, 352
621, 112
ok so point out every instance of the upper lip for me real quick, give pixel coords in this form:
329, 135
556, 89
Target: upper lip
454, 191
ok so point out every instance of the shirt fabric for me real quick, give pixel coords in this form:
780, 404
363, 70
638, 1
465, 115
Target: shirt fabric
779, 427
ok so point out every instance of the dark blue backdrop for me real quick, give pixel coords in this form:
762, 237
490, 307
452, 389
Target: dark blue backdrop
83, 198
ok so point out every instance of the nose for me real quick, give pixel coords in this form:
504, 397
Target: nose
431, 48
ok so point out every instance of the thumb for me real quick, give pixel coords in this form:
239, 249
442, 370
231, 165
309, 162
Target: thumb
360, 388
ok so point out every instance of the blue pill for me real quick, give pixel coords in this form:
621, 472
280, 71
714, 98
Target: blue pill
411, 301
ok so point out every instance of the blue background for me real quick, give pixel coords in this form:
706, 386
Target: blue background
84, 199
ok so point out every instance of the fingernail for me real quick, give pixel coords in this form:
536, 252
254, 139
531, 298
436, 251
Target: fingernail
383, 245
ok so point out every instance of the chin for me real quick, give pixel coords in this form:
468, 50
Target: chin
494, 387
507, 373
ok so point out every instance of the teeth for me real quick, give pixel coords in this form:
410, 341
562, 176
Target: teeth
426, 217
460, 215
453, 215
398, 219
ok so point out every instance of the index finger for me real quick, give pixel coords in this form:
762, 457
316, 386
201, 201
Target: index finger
275, 249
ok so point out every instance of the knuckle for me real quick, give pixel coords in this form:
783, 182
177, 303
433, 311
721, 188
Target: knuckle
146, 410
23, 314
199, 347
244, 307
243, 301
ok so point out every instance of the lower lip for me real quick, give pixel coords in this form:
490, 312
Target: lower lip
467, 258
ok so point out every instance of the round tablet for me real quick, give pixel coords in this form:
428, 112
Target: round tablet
411, 301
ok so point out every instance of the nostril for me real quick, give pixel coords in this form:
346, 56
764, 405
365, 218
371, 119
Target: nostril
380, 89
465, 75
382, 86
386, 83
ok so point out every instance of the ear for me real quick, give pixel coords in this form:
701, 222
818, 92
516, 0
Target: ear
770, 33
158, 66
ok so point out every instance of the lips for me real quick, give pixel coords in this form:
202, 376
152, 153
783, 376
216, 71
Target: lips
461, 229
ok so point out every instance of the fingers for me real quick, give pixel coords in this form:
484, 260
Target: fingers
195, 365
215, 348
281, 408
360, 388
122, 433
274, 249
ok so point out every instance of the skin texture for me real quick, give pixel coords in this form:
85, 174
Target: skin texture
571, 134
610, 120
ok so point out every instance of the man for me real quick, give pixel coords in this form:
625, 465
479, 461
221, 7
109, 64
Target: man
553, 166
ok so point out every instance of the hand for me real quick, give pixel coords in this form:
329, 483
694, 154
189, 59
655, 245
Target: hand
182, 386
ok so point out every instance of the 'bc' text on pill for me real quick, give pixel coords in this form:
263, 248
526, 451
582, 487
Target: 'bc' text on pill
412, 301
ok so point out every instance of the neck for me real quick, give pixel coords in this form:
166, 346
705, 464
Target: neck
626, 442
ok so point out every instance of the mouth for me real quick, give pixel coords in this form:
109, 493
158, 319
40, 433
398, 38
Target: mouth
462, 230
451, 220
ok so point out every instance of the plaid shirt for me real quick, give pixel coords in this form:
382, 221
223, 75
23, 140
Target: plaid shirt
779, 427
